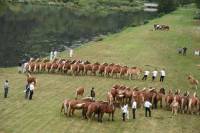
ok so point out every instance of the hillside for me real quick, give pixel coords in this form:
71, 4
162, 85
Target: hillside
34, 28
134, 46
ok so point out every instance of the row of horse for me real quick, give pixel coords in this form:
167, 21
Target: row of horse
119, 95
89, 108
78, 67
123, 94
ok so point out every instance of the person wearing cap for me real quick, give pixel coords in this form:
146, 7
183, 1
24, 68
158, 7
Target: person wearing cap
92, 93
6, 87
31, 87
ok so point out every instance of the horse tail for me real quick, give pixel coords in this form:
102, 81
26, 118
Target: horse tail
182, 104
62, 107
190, 105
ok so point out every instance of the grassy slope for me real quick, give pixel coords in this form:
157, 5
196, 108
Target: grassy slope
134, 46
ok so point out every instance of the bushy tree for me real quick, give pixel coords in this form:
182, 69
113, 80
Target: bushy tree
197, 3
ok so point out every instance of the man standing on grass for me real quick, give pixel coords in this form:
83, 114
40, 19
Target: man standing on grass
27, 90
134, 107
154, 74
6, 87
162, 75
146, 73
92, 93
31, 90
70, 53
184, 51
147, 106
124, 112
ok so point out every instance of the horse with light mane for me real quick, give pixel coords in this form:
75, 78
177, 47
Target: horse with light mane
193, 81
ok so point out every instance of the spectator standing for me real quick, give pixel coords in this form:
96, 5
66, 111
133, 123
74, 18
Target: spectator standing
51, 55
27, 90
184, 51
146, 73
71, 53
55, 54
92, 93
124, 111
147, 106
162, 75
154, 74
31, 90
6, 87
134, 107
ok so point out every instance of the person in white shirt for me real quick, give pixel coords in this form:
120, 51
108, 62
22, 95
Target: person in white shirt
154, 74
55, 54
51, 55
162, 75
6, 87
146, 73
31, 87
147, 106
124, 111
134, 107
70, 53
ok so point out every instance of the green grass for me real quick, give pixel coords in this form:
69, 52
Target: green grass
133, 47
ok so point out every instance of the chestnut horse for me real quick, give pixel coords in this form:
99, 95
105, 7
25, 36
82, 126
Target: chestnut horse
79, 92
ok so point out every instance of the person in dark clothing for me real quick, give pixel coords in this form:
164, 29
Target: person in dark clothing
27, 90
6, 86
184, 51
92, 93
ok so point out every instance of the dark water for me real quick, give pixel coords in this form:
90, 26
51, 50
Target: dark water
34, 30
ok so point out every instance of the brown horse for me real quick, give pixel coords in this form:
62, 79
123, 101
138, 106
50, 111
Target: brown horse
93, 109
95, 68
193, 104
123, 71
77, 104
134, 71
110, 98
185, 102
79, 92
102, 68
115, 70
108, 70
159, 97
31, 79
105, 107
193, 81
169, 99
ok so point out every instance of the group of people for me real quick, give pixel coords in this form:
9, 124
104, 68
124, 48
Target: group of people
29, 89
125, 112
53, 54
182, 51
154, 75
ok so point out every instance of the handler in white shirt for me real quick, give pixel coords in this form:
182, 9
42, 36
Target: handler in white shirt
70, 53
146, 73
154, 74
147, 106
31, 87
162, 75
124, 111
134, 107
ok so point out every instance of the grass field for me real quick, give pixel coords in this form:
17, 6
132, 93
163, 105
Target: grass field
139, 46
